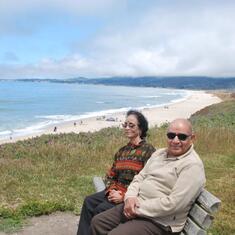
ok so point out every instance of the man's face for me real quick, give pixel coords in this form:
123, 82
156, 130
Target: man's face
179, 138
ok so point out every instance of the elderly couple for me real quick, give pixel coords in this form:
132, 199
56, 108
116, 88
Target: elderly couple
147, 192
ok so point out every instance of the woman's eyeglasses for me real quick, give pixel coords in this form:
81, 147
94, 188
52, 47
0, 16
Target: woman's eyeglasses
127, 124
181, 136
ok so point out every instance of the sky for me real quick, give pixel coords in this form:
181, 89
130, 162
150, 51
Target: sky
103, 38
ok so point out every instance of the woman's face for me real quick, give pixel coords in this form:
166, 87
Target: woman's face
131, 127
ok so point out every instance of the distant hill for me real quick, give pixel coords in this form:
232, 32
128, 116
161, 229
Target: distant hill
178, 82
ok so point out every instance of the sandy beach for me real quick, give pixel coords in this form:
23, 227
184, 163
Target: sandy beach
156, 116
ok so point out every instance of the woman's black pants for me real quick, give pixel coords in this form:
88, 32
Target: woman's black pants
92, 205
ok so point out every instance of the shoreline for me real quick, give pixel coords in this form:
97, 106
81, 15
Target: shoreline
155, 115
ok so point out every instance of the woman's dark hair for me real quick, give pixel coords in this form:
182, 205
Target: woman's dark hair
142, 122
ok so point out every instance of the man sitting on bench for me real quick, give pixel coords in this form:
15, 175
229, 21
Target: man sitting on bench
160, 196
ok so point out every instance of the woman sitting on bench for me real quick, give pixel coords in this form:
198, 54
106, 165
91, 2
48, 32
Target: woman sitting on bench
128, 161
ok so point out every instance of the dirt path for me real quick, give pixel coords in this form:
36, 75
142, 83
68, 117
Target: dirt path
59, 223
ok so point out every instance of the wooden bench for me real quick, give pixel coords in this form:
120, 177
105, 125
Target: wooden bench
200, 216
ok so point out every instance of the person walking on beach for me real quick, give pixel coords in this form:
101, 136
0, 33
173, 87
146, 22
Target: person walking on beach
159, 198
128, 162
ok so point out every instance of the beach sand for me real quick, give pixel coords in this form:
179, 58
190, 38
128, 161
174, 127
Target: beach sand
156, 116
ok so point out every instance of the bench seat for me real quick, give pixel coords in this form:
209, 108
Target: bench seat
200, 216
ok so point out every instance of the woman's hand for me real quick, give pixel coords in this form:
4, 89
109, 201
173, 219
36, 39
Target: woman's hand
115, 196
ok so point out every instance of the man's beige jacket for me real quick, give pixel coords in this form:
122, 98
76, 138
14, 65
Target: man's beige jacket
167, 187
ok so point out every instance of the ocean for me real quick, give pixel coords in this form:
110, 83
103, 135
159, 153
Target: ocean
29, 107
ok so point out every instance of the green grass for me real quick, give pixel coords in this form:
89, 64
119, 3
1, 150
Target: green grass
54, 172
215, 128
217, 115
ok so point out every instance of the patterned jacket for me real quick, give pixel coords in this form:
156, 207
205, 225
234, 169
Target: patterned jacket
128, 162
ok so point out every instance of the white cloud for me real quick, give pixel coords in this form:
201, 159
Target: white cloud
173, 39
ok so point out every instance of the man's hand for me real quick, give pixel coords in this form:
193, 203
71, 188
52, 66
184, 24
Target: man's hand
115, 196
130, 207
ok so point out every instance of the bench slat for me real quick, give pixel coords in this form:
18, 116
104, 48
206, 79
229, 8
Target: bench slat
209, 201
200, 216
192, 228
98, 183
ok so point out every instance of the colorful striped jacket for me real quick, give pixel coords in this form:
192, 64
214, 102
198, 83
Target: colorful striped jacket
128, 162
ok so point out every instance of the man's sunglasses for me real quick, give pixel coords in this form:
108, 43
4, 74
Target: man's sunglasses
127, 124
181, 136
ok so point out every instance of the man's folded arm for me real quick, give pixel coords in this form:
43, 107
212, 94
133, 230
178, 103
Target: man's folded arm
187, 188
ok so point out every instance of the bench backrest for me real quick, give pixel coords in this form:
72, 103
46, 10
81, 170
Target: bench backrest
200, 216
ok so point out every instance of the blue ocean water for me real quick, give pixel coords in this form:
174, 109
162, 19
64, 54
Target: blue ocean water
28, 107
